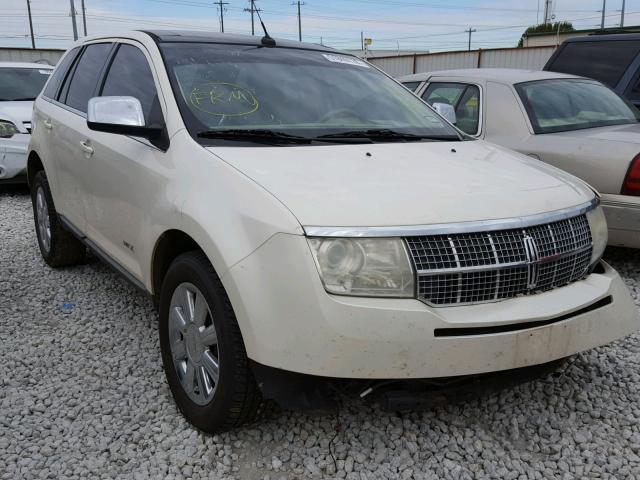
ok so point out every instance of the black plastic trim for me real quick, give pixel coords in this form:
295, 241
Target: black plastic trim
102, 255
515, 327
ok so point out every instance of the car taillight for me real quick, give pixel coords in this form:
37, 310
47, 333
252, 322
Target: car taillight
631, 185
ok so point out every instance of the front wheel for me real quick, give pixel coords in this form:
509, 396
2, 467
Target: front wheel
203, 354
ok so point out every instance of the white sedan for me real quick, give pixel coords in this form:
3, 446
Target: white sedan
20, 84
573, 123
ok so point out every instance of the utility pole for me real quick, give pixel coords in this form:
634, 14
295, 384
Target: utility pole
299, 19
252, 10
221, 5
362, 40
33, 40
604, 9
84, 19
73, 21
547, 11
470, 31
622, 16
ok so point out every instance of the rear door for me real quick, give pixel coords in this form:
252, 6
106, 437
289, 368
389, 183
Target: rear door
71, 147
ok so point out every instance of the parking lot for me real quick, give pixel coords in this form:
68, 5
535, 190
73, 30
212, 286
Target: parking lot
83, 395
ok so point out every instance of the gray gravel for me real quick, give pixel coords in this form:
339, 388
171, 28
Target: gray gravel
83, 395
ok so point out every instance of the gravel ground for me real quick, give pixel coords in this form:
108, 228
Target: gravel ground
83, 395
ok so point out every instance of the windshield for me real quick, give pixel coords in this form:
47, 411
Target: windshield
559, 105
22, 83
296, 93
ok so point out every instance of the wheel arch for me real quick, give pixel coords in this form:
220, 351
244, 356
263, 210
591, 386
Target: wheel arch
168, 247
34, 165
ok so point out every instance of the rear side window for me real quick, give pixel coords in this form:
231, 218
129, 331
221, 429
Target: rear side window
411, 85
606, 61
465, 99
130, 76
51, 90
86, 74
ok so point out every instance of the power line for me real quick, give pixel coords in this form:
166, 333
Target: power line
33, 40
84, 18
470, 31
253, 10
221, 5
73, 21
299, 3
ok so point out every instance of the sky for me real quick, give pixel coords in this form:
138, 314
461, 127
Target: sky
433, 25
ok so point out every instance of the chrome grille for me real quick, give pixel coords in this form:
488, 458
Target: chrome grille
488, 266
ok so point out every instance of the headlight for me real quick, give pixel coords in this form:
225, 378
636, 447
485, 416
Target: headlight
7, 129
367, 267
599, 232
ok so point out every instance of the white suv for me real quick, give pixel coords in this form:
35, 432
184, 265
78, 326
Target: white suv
300, 218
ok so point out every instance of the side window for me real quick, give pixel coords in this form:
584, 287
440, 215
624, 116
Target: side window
605, 61
411, 85
82, 85
51, 90
130, 75
465, 99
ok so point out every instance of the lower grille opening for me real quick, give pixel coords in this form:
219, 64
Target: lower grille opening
514, 327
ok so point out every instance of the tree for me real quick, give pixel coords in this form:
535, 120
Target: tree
546, 28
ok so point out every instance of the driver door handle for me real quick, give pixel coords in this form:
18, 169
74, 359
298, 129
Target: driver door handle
86, 147
47, 124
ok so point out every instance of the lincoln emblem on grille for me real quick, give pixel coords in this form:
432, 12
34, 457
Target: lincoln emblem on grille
531, 249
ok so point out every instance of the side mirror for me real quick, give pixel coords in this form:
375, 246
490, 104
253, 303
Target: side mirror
447, 111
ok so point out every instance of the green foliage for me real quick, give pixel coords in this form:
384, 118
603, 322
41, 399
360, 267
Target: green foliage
546, 28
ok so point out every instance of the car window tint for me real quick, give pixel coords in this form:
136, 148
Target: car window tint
85, 77
411, 85
130, 75
465, 99
605, 61
559, 105
51, 89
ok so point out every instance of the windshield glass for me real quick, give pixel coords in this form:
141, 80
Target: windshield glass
22, 83
559, 105
294, 92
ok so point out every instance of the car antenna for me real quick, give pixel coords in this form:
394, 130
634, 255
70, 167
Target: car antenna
267, 41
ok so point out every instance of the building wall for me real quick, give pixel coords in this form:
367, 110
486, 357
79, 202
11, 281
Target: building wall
48, 56
549, 40
526, 58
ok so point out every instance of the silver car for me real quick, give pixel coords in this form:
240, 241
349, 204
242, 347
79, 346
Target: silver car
573, 123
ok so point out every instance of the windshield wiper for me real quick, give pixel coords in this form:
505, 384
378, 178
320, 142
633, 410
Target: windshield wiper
387, 134
254, 135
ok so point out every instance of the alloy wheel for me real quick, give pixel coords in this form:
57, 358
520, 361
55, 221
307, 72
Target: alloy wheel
42, 213
194, 343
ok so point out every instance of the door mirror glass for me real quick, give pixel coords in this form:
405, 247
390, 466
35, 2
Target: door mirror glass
446, 111
123, 111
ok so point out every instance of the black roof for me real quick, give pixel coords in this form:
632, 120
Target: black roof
596, 37
191, 36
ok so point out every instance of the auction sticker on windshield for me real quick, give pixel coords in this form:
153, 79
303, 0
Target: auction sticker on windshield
345, 59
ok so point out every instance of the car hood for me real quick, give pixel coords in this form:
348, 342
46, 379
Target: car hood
629, 133
397, 184
17, 112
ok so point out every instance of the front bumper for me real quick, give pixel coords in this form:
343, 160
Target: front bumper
289, 322
623, 219
13, 157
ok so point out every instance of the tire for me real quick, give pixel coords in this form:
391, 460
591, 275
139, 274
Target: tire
58, 246
210, 378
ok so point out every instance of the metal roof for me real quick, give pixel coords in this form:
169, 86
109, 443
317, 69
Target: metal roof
191, 36
504, 75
